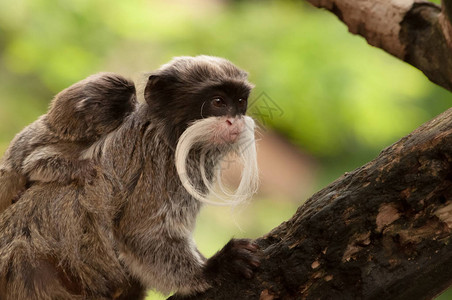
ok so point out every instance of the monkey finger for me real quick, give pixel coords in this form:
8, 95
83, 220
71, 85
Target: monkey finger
253, 247
247, 260
246, 255
244, 243
247, 273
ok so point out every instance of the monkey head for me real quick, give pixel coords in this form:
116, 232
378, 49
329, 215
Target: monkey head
192, 88
201, 102
91, 107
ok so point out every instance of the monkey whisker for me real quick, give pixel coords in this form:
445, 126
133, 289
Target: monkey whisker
202, 132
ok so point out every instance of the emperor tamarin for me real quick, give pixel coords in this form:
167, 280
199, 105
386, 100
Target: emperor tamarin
130, 227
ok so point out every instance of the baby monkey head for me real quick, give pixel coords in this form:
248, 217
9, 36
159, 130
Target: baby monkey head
201, 103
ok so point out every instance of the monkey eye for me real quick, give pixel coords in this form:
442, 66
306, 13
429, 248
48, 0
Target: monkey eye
218, 102
242, 101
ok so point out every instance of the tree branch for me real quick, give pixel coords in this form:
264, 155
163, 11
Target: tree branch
417, 32
383, 231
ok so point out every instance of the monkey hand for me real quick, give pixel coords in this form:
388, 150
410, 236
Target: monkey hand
238, 257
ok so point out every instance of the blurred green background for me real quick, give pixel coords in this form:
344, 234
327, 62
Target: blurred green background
337, 99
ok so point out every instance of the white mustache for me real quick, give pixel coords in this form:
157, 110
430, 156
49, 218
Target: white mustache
205, 133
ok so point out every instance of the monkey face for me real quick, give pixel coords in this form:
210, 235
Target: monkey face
201, 102
193, 88
228, 102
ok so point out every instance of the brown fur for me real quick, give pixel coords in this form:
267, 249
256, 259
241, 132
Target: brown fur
49, 149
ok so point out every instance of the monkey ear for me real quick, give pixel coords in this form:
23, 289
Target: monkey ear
153, 79
158, 88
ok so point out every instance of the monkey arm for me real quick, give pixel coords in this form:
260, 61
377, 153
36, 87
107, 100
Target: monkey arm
174, 263
56, 243
48, 164
166, 263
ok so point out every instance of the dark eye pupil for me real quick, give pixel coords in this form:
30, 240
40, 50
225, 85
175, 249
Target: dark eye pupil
218, 102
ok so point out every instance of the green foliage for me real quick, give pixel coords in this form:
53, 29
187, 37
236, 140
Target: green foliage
338, 95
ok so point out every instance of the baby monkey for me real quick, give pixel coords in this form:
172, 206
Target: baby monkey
49, 150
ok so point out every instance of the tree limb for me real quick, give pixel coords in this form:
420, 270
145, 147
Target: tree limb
417, 32
383, 231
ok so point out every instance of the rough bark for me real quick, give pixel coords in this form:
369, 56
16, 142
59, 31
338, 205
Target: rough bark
418, 32
383, 231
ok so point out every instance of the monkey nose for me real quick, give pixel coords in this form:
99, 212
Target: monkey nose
230, 121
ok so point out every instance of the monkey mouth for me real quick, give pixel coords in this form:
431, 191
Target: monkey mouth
230, 137
233, 136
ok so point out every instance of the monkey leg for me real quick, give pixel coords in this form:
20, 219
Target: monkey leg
27, 278
134, 290
59, 247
